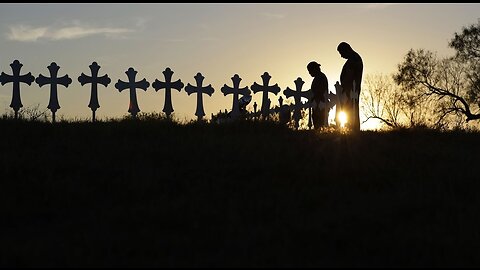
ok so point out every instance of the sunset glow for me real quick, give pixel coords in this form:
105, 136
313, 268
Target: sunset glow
342, 117
217, 40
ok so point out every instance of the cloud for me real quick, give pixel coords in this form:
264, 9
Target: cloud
26, 33
141, 22
80, 32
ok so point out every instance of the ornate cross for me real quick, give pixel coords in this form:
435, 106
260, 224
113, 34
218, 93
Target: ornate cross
94, 80
330, 101
340, 98
168, 85
41, 80
265, 88
235, 91
16, 79
200, 113
297, 95
132, 85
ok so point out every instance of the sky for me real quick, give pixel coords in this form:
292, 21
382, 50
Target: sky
217, 40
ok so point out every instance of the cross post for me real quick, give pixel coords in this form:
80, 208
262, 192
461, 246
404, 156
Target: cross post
297, 95
200, 90
132, 85
16, 79
265, 88
94, 80
236, 91
54, 80
168, 85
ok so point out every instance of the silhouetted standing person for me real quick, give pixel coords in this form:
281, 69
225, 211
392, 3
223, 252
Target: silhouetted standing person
352, 71
319, 89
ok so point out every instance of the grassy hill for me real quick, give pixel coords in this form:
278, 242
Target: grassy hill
162, 194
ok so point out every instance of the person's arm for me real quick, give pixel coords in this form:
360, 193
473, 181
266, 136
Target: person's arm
324, 87
315, 89
358, 70
347, 76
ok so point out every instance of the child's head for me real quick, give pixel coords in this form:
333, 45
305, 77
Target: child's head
313, 68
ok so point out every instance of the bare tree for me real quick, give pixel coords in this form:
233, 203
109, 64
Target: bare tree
29, 113
443, 82
33, 113
453, 81
381, 100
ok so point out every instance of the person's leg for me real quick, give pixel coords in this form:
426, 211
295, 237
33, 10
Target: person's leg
357, 120
316, 118
321, 115
338, 109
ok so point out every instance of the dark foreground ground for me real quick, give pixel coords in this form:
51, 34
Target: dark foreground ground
152, 193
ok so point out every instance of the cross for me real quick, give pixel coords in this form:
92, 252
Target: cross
41, 80
340, 98
94, 80
200, 113
16, 79
132, 85
297, 95
168, 85
283, 112
339, 92
330, 101
265, 88
235, 91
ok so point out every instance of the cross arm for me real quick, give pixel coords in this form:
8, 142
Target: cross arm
244, 91
208, 90
157, 85
28, 78
288, 92
121, 85
190, 89
226, 90
256, 87
5, 78
83, 79
274, 88
143, 84
104, 80
42, 80
65, 81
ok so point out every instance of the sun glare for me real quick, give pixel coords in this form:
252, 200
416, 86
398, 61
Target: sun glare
342, 117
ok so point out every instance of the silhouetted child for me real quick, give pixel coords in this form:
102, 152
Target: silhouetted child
319, 89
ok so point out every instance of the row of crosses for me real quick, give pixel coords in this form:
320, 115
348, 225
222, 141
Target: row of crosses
132, 85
